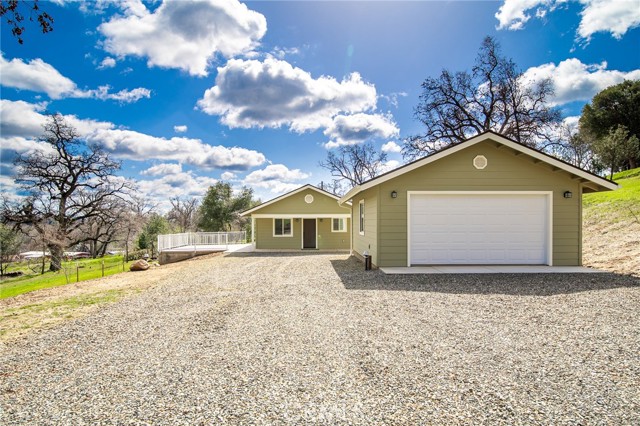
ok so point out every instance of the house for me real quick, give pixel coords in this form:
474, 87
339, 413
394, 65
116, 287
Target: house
305, 218
488, 200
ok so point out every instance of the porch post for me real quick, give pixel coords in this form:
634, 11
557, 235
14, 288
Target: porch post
253, 232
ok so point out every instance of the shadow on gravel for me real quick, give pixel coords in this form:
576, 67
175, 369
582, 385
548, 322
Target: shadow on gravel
298, 253
354, 277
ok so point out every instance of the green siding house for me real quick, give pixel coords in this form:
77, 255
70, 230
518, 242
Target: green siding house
306, 218
488, 200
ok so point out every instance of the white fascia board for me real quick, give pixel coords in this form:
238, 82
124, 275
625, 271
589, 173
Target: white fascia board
301, 216
288, 194
470, 142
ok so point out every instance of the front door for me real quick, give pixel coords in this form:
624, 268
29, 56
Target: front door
309, 233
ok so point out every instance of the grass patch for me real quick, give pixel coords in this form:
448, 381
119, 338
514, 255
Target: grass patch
31, 316
623, 203
72, 272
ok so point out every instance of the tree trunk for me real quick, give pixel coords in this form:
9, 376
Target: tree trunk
57, 252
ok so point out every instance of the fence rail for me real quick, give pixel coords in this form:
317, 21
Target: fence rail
187, 239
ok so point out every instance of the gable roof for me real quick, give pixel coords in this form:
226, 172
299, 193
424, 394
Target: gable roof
288, 194
488, 135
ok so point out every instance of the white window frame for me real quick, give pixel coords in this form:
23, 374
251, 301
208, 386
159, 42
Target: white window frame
343, 224
361, 217
290, 234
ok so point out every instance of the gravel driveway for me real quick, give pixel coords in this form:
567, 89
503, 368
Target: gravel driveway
282, 339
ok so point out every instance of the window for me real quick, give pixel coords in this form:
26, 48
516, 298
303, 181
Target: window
338, 225
282, 228
361, 210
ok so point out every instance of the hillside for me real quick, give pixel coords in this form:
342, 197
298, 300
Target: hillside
611, 224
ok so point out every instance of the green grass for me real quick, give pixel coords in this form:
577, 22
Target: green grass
86, 269
62, 309
623, 203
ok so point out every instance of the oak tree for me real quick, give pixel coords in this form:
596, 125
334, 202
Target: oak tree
493, 96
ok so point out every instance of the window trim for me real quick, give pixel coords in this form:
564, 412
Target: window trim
343, 221
290, 234
361, 217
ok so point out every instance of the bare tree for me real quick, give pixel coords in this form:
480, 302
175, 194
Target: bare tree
10, 11
494, 96
183, 213
103, 229
68, 182
354, 164
335, 187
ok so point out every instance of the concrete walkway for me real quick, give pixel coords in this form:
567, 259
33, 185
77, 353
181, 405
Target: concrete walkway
490, 269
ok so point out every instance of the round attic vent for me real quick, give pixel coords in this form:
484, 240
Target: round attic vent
308, 198
480, 162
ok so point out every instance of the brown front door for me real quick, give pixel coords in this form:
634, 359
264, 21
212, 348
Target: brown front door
309, 233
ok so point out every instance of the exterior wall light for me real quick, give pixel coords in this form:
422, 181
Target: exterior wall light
394, 194
568, 194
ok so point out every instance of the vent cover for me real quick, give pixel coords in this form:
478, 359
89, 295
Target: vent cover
308, 198
480, 162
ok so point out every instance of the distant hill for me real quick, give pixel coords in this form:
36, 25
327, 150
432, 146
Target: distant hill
611, 226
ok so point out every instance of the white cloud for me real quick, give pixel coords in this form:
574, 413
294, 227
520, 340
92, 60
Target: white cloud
123, 96
23, 121
36, 75
272, 93
357, 128
183, 184
612, 16
39, 76
389, 165
277, 178
575, 81
391, 146
133, 145
228, 176
107, 62
163, 169
184, 35
180, 129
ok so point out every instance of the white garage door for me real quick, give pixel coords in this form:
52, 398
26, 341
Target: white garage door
477, 229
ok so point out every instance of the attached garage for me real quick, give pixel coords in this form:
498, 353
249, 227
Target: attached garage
479, 228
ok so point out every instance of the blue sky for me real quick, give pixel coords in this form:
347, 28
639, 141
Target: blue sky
188, 93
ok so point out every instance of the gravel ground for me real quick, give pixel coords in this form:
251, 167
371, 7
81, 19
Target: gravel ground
282, 339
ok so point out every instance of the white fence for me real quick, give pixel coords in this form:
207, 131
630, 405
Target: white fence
195, 239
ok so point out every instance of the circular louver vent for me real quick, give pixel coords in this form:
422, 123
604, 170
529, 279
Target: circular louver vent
480, 162
308, 198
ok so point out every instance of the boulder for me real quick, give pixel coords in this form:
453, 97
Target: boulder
139, 265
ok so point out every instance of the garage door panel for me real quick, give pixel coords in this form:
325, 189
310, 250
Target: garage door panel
478, 228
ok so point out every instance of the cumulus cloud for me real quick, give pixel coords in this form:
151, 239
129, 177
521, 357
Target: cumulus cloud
132, 145
228, 176
183, 184
357, 128
575, 81
184, 35
180, 129
391, 146
163, 169
107, 62
389, 165
277, 178
35, 75
21, 123
613, 16
25, 120
39, 76
273, 93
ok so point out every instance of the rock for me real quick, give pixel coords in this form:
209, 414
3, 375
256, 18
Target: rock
139, 265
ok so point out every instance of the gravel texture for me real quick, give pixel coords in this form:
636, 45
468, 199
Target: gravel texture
291, 339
